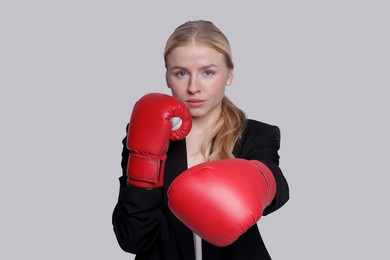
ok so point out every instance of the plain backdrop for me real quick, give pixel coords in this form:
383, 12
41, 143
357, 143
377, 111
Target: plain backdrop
70, 72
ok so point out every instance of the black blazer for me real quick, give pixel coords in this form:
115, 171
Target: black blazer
144, 225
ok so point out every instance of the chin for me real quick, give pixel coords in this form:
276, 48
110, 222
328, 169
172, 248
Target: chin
196, 114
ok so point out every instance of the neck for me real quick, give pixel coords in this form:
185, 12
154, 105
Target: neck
202, 126
194, 141
199, 131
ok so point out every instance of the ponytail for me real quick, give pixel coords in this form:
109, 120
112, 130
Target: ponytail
227, 131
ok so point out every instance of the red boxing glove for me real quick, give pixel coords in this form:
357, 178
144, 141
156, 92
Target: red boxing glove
220, 200
156, 119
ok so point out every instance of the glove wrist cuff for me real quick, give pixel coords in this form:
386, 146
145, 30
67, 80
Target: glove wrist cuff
269, 179
146, 171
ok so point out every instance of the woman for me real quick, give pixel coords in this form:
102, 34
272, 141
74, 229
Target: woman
148, 219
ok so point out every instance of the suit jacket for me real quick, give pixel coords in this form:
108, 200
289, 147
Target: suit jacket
144, 225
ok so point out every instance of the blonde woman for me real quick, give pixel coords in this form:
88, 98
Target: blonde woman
197, 174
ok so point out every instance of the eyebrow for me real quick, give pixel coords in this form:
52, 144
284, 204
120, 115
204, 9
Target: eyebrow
204, 67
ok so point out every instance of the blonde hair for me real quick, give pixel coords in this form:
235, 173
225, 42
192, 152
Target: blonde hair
231, 123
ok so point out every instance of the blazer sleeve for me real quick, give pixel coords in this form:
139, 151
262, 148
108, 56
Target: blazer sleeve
136, 216
262, 142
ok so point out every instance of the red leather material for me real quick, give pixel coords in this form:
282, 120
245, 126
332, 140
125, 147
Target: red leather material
220, 200
148, 136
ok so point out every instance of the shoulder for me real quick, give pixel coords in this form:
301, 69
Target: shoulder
256, 129
258, 141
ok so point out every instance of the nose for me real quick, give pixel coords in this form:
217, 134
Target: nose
193, 85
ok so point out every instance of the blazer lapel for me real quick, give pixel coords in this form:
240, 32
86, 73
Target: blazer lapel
177, 163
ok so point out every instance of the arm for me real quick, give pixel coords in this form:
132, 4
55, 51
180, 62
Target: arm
137, 214
232, 193
262, 142
155, 119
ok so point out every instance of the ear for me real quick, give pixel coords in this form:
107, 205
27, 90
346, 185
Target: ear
230, 77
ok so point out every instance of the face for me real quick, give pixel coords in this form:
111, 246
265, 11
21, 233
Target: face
197, 75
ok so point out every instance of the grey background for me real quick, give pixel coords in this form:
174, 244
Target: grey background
70, 72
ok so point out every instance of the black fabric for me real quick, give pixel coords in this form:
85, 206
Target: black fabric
144, 225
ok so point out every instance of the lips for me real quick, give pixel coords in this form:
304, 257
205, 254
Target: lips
195, 102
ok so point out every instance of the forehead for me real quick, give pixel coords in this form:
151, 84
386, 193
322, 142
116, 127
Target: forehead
194, 54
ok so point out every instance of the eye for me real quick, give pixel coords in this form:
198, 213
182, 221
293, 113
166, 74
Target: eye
208, 73
181, 74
